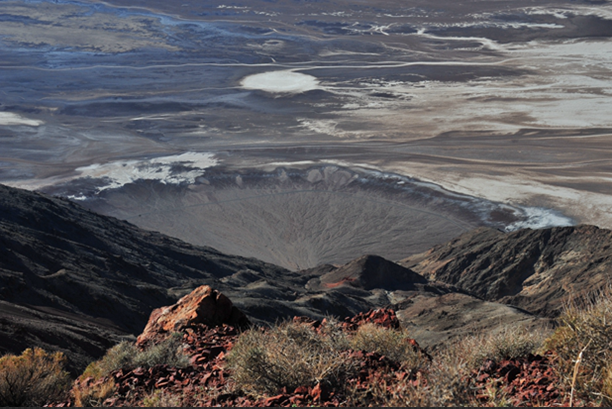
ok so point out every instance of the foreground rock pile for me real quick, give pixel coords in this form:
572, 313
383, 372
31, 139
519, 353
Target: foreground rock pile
206, 381
525, 381
206, 347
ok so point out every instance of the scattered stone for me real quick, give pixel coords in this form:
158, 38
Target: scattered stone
525, 381
384, 317
204, 317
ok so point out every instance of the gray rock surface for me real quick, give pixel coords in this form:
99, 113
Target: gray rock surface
537, 270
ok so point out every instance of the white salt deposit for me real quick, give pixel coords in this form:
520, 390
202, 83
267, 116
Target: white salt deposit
175, 169
287, 82
540, 218
11, 119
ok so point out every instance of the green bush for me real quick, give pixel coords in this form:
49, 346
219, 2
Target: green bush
33, 378
169, 352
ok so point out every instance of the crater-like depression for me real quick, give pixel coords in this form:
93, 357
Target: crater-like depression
303, 217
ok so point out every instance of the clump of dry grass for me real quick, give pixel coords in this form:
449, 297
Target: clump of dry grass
586, 329
288, 356
127, 356
447, 376
169, 352
508, 343
162, 399
449, 373
386, 389
606, 387
391, 343
33, 378
92, 390
291, 355
92, 395
117, 357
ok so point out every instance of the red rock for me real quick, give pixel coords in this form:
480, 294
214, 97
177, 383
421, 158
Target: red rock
301, 390
161, 384
318, 393
384, 317
202, 306
315, 393
274, 400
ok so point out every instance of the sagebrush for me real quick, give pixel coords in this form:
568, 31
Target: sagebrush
288, 356
33, 378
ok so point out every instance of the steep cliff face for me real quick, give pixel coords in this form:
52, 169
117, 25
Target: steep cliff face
537, 270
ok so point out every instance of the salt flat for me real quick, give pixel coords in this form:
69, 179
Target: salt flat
504, 102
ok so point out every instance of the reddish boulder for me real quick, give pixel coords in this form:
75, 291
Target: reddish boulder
203, 306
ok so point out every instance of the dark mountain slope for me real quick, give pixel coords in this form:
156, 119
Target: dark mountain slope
368, 273
77, 281
55, 253
537, 270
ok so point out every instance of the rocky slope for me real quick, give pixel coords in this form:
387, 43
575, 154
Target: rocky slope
204, 321
77, 281
69, 276
536, 270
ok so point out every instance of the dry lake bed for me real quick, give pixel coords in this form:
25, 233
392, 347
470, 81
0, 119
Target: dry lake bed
303, 131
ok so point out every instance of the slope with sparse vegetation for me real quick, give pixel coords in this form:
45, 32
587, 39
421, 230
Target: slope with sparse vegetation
366, 360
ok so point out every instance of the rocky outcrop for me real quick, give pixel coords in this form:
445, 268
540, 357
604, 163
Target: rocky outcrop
203, 306
208, 346
382, 317
369, 272
537, 270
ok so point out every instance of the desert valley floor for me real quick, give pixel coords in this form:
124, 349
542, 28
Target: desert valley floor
303, 132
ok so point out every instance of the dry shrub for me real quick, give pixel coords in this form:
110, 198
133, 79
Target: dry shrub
391, 343
127, 356
387, 391
169, 352
93, 395
119, 356
606, 388
587, 328
440, 382
33, 378
447, 376
508, 343
289, 355
162, 399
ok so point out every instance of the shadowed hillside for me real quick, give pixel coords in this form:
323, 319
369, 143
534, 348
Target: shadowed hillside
78, 281
537, 270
